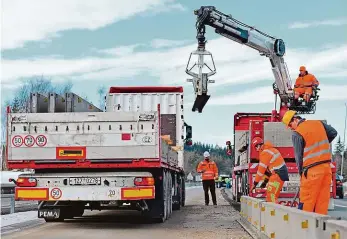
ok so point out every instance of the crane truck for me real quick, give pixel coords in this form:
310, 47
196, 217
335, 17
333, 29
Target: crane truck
126, 156
249, 125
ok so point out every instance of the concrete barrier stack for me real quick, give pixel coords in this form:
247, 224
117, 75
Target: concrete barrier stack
277, 221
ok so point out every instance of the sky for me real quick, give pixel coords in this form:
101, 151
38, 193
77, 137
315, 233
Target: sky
148, 42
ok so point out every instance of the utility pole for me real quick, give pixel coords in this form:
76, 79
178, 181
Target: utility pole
344, 141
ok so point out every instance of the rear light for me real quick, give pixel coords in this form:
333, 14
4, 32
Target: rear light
144, 181
26, 182
126, 136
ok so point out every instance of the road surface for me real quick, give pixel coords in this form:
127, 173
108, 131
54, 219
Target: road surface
340, 209
195, 220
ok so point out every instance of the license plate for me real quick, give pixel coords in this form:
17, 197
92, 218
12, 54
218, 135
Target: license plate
49, 213
85, 181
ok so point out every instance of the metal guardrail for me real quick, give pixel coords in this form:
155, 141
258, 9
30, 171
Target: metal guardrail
12, 201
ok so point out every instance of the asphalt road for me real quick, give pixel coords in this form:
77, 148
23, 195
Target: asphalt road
195, 220
340, 209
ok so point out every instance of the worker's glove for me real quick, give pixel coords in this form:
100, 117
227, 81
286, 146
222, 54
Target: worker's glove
263, 185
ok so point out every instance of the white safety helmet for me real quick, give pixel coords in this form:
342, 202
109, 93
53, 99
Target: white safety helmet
206, 154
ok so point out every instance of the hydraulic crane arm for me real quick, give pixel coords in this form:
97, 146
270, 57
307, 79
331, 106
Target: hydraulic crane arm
239, 32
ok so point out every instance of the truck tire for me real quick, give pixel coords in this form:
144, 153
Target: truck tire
183, 202
158, 208
170, 194
245, 188
238, 194
177, 205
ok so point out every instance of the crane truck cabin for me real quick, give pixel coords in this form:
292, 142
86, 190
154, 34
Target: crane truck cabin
249, 125
129, 156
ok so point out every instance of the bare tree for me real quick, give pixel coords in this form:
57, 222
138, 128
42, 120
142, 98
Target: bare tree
21, 96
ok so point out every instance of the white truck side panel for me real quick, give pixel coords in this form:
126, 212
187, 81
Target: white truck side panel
100, 132
278, 134
170, 104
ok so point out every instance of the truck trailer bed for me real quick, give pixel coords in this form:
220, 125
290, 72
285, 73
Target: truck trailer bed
88, 140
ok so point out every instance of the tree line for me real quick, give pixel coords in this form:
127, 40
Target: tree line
194, 154
339, 151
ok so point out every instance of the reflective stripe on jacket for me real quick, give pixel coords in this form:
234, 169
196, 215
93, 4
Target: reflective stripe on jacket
272, 159
317, 147
211, 170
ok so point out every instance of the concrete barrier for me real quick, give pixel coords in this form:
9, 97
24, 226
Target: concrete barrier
277, 221
335, 229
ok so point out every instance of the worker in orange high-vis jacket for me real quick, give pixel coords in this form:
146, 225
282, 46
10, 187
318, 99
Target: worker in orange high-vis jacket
271, 168
304, 83
311, 141
209, 172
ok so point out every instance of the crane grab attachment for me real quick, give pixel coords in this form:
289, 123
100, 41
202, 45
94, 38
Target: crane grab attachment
268, 46
200, 79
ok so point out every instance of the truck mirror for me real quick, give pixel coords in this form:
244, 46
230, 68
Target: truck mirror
189, 142
229, 148
189, 133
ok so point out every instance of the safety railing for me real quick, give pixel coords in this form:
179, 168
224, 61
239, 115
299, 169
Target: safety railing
9, 205
272, 220
12, 202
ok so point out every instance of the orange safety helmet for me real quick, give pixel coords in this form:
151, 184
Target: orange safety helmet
302, 68
256, 141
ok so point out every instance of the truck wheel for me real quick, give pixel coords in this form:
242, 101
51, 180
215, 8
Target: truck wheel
159, 206
183, 202
238, 194
169, 194
177, 205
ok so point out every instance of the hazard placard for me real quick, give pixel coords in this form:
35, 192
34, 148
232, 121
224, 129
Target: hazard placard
17, 141
41, 140
29, 140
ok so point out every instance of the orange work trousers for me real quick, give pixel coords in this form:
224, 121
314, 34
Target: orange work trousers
306, 91
315, 189
274, 188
